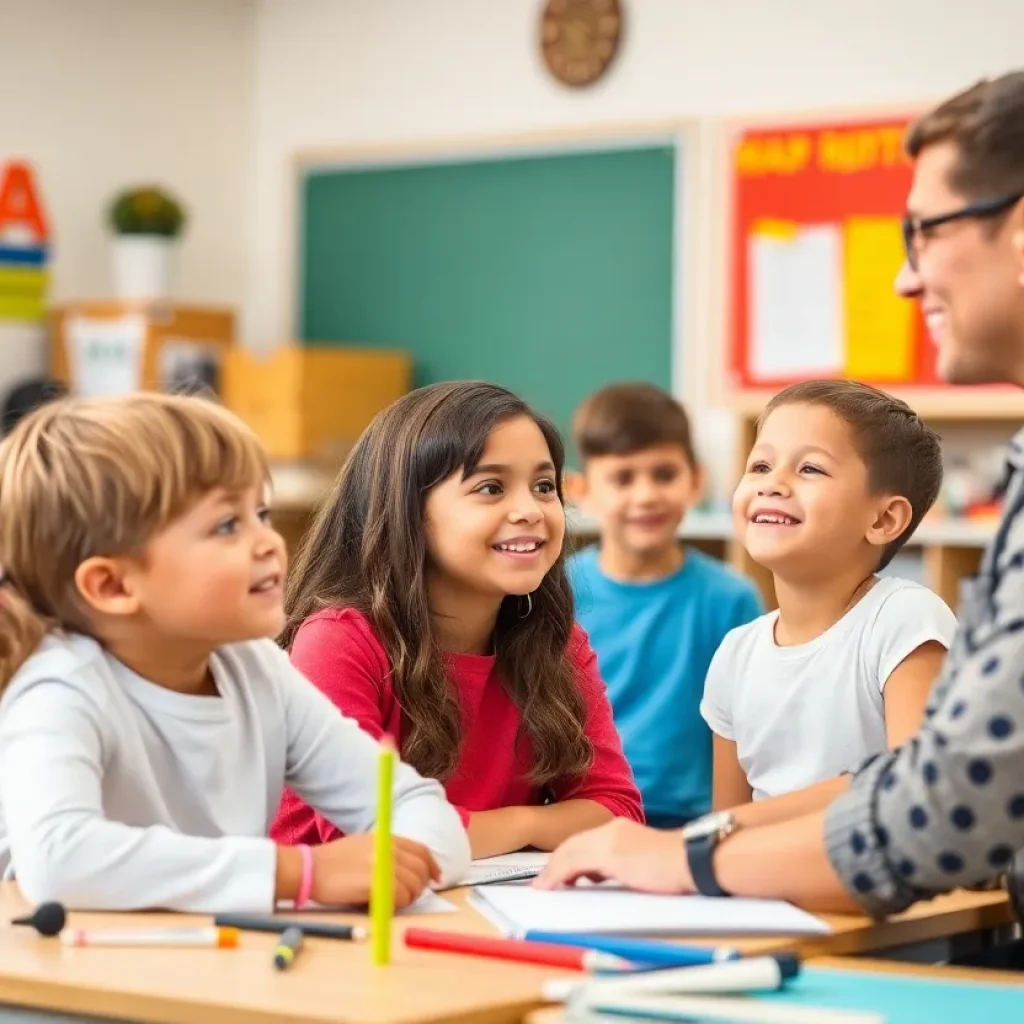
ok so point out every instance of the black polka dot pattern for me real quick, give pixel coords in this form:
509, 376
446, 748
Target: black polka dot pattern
951, 863
947, 809
962, 818
1000, 727
1000, 856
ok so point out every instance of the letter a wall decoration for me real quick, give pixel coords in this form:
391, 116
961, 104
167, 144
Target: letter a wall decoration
24, 245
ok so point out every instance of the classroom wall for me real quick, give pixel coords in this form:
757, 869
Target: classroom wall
99, 94
347, 72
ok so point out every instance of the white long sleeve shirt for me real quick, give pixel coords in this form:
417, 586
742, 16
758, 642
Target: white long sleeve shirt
119, 794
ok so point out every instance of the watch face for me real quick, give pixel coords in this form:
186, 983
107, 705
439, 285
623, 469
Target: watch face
717, 821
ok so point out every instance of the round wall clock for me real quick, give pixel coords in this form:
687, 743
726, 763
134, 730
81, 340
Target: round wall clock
579, 38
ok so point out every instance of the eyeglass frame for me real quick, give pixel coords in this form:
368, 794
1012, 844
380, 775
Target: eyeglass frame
982, 209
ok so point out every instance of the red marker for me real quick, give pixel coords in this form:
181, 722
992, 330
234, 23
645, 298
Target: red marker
570, 958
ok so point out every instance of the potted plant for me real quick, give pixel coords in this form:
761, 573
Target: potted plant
147, 222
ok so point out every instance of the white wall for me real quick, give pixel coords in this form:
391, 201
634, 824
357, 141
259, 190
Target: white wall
100, 94
349, 72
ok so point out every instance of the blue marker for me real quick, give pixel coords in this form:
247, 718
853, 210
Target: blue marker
647, 954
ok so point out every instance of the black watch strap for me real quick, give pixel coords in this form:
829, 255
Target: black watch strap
699, 852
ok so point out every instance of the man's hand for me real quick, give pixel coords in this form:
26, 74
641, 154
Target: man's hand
634, 856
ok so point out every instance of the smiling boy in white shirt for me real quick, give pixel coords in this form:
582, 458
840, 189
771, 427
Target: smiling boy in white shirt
839, 477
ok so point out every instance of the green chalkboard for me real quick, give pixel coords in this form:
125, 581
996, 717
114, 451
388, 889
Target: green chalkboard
551, 275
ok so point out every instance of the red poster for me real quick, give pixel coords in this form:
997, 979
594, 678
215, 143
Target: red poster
815, 246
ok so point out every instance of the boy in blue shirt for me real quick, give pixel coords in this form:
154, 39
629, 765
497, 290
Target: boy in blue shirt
655, 610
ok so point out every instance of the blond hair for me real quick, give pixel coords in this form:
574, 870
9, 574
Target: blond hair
86, 477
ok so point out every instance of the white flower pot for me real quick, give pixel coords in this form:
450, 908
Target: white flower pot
142, 266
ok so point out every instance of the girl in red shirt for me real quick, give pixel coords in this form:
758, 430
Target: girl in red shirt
429, 601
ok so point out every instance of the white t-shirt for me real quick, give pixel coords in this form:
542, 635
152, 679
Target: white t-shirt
803, 714
118, 794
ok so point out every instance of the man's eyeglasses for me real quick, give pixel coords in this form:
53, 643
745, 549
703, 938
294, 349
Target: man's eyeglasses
915, 228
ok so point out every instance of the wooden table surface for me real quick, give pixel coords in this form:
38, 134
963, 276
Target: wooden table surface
334, 981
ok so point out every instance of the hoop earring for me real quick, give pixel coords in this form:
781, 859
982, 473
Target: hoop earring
529, 606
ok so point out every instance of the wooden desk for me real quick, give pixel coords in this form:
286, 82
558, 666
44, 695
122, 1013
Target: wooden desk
334, 982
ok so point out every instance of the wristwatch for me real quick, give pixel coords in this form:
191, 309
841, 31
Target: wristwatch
701, 837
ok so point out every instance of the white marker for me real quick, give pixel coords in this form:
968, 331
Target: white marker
211, 938
757, 974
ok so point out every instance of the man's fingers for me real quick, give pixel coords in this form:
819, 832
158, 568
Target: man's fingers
570, 864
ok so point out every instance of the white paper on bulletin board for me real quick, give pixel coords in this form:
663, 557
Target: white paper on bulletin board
105, 356
796, 299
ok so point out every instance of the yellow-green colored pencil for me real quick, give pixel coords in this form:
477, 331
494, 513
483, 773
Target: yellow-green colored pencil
382, 894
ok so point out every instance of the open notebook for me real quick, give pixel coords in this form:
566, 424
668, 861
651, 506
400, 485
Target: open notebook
607, 909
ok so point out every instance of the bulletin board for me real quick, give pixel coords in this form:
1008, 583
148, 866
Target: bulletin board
815, 243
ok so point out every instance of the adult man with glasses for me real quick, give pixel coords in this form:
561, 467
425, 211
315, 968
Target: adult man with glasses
947, 809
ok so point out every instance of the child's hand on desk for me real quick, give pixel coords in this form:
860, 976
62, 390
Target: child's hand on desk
343, 870
634, 856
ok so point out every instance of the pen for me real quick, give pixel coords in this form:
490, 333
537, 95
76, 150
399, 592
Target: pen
651, 954
216, 938
269, 923
756, 974
567, 957
288, 945
520, 875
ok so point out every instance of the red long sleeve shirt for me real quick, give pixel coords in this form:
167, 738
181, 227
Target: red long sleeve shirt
340, 652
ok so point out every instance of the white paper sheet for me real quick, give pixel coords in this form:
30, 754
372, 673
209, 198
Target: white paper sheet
105, 356
796, 301
606, 909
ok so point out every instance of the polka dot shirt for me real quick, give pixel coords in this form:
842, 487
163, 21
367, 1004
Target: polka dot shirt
946, 810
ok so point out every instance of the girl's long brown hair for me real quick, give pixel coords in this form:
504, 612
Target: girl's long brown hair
366, 550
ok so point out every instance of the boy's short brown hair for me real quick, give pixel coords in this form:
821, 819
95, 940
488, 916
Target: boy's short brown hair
986, 123
902, 455
625, 418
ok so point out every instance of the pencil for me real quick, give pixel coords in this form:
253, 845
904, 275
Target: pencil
382, 895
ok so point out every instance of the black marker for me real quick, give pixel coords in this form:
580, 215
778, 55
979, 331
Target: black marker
270, 923
288, 946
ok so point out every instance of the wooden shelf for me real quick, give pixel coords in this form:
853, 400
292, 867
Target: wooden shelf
980, 404
718, 526
951, 549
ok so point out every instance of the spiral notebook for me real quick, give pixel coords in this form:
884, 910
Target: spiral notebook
509, 867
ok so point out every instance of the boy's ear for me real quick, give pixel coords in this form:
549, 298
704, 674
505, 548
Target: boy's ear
106, 585
574, 486
891, 521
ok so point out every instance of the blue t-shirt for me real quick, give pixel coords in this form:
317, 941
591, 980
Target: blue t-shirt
654, 642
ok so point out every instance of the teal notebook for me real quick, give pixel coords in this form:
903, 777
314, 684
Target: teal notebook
906, 1000
897, 999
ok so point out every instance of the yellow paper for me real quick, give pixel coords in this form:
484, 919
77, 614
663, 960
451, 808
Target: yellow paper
23, 293
879, 324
